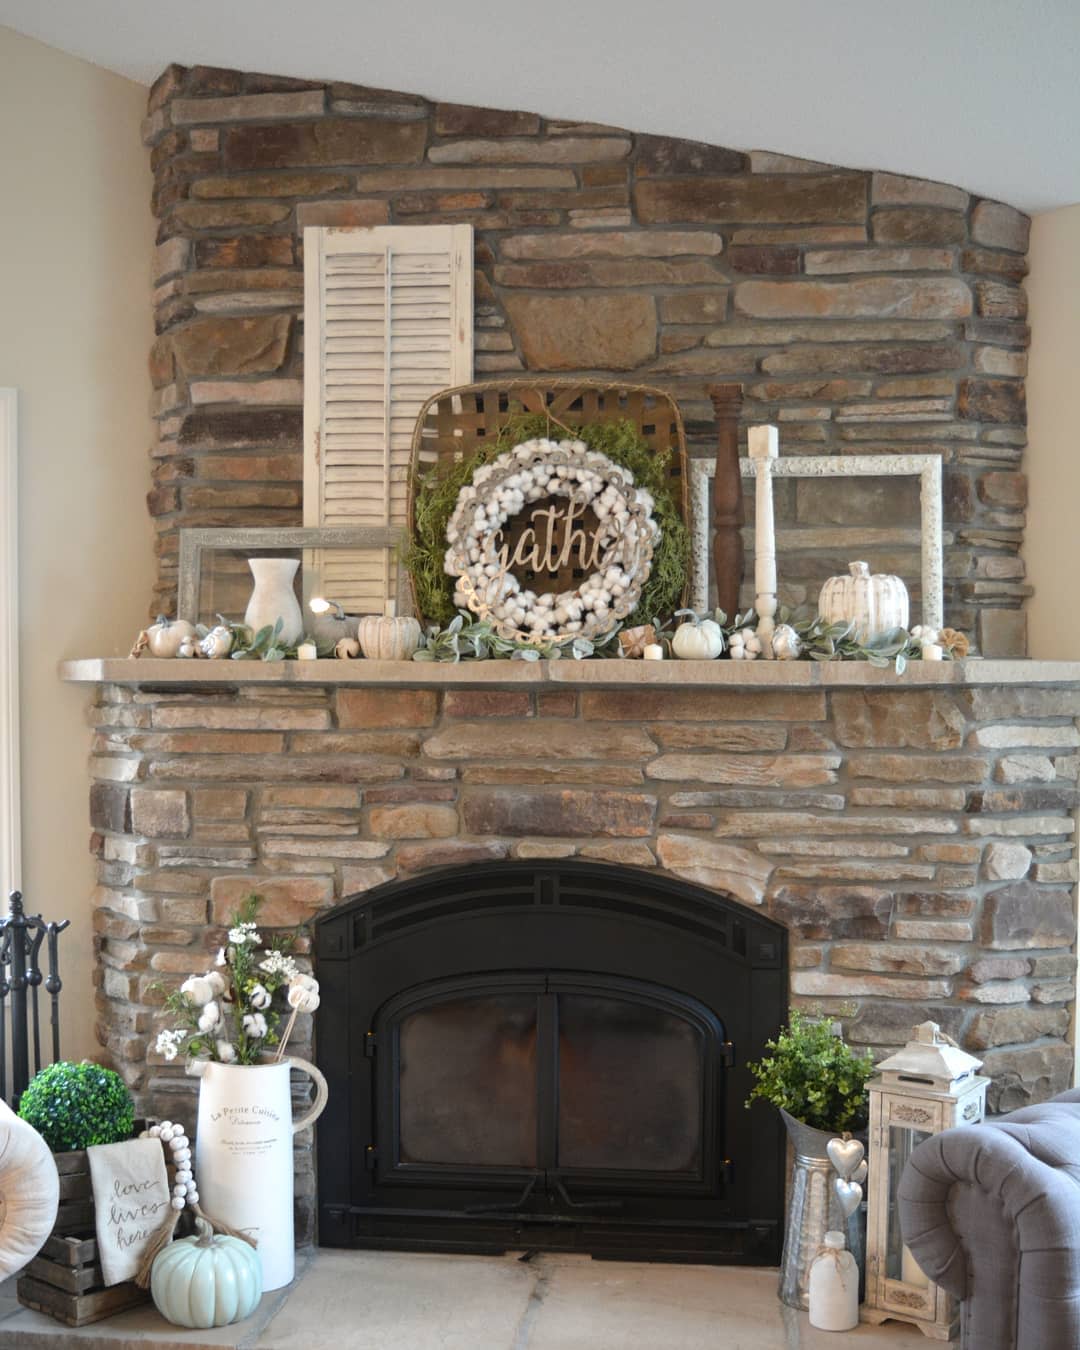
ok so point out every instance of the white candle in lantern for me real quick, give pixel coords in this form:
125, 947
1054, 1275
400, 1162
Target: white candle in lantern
306, 651
653, 652
933, 651
764, 446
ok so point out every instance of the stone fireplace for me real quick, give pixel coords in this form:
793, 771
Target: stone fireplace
912, 838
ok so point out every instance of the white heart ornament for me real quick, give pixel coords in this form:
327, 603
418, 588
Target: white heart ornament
859, 1174
845, 1155
849, 1194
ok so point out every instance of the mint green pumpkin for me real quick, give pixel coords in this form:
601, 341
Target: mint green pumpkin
206, 1281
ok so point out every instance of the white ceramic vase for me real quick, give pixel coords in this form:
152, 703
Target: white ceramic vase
274, 598
244, 1153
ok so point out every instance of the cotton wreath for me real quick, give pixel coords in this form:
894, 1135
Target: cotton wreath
528, 473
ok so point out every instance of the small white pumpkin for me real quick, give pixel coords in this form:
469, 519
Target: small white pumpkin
873, 604
388, 639
698, 640
165, 636
206, 1281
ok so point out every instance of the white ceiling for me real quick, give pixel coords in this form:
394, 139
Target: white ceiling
982, 93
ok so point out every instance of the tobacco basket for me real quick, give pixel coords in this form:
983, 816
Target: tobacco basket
452, 423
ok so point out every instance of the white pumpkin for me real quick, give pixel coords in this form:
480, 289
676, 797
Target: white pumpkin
388, 639
874, 604
165, 636
29, 1192
698, 640
206, 1281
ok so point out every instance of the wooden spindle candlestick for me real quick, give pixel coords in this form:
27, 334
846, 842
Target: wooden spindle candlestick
727, 501
764, 446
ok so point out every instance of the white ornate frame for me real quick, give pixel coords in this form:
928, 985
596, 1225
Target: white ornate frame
927, 468
10, 814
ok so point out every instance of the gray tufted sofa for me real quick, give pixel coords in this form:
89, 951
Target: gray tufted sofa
992, 1214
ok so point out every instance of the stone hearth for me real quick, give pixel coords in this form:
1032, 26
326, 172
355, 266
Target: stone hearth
915, 836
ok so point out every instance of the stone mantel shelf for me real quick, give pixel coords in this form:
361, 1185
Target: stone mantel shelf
588, 674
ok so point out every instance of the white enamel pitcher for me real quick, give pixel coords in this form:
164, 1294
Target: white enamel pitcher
244, 1153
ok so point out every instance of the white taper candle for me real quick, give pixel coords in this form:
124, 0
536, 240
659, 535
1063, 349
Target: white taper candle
764, 446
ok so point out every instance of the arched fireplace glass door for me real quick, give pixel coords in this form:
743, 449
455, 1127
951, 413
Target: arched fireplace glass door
550, 1057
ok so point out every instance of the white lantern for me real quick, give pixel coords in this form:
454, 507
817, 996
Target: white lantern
923, 1089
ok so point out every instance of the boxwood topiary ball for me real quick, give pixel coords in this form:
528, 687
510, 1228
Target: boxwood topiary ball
75, 1105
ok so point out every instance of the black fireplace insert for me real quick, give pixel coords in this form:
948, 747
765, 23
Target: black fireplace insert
549, 1056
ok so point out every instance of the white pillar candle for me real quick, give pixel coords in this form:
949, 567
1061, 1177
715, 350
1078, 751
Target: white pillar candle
653, 652
910, 1270
933, 651
306, 652
764, 446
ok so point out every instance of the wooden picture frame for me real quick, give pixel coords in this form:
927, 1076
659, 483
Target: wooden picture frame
314, 540
927, 468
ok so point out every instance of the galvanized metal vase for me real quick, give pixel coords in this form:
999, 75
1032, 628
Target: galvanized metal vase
813, 1211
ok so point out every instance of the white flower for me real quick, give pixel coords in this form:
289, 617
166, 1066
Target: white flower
226, 1051
244, 933
277, 963
303, 993
260, 996
255, 1025
197, 989
210, 1017
168, 1042
786, 643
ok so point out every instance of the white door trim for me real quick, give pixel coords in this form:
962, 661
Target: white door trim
10, 823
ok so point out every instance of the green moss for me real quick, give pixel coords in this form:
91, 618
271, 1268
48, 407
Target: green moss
75, 1105
437, 495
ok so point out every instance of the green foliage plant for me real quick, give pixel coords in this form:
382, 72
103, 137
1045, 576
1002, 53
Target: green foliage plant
437, 494
814, 1075
75, 1105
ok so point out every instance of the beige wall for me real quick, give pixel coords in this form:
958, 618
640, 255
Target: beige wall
76, 239
1052, 541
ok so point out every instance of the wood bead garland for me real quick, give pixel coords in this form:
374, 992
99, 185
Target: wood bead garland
175, 1140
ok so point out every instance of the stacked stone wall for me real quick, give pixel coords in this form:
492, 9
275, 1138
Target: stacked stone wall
862, 311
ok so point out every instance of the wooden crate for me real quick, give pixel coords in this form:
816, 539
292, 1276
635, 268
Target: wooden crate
64, 1280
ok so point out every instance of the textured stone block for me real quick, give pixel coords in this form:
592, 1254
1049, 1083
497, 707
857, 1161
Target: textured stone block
487, 703
1010, 1025
664, 156
566, 813
229, 215
892, 189
921, 720
449, 853
245, 250
271, 185
889, 1023
870, 297
331, 141
895, 958
828, 912
612, 244
605, 332
233, 346
794, 199
418, 821
456, 119
340, 215
255, 393
1006, 861
538, 740
847, 260
751, 770
1027, 915
723, 867
1023, 1076
110, 807
701, 705
568, 150
816, 984
992, 401
160, 812
286, 901
918, 225
247, 108
378, 708
1000, 226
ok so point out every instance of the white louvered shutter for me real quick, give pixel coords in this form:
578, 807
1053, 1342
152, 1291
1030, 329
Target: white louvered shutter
388, 321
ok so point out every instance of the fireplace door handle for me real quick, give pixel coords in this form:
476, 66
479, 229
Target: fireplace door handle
511, 1208
564, 1196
